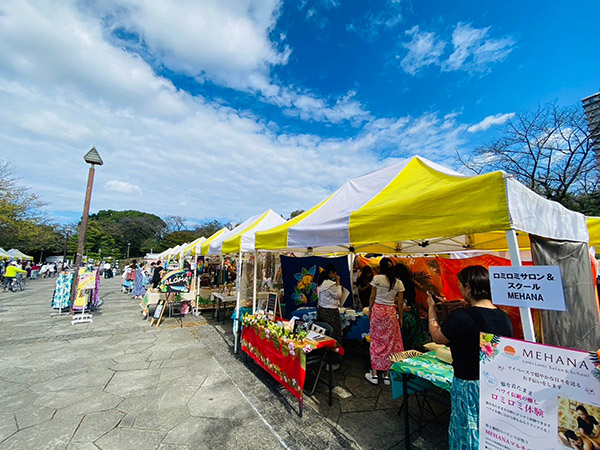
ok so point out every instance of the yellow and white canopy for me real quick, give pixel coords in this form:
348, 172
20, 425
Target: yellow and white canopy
593, 224
175, 252
18, 254
241, 238
193, 248
204, 247
417, 206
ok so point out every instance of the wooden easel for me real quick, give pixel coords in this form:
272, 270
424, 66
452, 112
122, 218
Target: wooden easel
158, 313
274, 305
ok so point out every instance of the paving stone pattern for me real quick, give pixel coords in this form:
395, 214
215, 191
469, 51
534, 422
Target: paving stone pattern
119, 384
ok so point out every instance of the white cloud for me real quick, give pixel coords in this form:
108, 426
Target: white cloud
223, 40
473, 52
374, 23
424, 49
122, 186
62, 93
490, 121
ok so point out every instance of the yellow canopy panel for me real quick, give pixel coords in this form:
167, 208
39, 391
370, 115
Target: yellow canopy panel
417, 206
206, 244
593, 224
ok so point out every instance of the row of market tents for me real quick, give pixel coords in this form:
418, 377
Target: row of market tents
14, 254
414, 206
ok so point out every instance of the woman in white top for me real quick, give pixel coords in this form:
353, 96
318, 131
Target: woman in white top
330, 294
385, 313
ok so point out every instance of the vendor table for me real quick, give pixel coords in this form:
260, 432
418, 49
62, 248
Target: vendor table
224, 300
424, 371
284, 359
354, 327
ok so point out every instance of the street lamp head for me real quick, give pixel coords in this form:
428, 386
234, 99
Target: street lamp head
92, 157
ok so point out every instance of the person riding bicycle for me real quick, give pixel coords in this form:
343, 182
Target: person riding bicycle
9, 276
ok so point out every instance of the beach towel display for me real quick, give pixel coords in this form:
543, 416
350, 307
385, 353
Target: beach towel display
62, 293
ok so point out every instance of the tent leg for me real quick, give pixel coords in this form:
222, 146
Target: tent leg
196, 285
515, 259
255, 275
236, 323
351, 257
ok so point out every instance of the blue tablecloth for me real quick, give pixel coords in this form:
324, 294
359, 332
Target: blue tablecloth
353, 327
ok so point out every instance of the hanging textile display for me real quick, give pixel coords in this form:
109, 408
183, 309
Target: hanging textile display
300, 277
95, 301
62, 292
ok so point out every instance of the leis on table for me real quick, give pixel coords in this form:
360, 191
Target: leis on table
272, 329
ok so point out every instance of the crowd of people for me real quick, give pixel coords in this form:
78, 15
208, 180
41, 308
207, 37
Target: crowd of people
395, 321
10, 270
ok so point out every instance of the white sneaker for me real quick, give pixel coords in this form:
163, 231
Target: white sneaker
373, 380
386, 381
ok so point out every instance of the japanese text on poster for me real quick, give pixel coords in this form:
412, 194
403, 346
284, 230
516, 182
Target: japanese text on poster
534, 396
537, 287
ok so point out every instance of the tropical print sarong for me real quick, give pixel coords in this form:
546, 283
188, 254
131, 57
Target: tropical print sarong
385, 336
463, 433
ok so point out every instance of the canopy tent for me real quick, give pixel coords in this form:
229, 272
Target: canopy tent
162, 256
193, 248
244, 233
17, 254
593, 224
417, 206
175, 252
243, 239
205, 246
4, 254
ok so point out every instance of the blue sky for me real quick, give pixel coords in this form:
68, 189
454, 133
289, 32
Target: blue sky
226, 108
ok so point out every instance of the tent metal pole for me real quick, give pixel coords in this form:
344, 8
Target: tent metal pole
255, 275
515, 259
196, 293
351, 257
236, 324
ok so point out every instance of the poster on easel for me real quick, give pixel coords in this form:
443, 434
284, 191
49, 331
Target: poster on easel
87, 280
158, 312
176, 281
535, 396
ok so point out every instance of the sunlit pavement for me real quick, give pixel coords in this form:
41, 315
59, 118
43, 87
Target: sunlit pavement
118, 384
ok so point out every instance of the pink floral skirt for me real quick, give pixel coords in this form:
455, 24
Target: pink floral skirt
385, 336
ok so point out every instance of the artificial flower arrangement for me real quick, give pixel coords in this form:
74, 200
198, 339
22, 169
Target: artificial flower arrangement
272, 329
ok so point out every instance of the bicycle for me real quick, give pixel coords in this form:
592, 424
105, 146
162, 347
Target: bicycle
19, 282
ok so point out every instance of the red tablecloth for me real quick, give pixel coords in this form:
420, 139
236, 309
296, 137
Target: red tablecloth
284, 359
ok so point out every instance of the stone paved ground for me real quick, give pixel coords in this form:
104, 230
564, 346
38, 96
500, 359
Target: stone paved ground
119, 384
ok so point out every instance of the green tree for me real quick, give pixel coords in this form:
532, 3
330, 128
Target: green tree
23, 223
112, 231
296, 213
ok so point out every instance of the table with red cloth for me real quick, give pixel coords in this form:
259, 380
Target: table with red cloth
283, 358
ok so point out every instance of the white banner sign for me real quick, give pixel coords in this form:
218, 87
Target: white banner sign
537, 287
537, 397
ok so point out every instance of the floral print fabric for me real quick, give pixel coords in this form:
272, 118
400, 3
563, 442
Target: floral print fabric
385, 336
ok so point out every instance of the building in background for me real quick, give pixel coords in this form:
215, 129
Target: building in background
591, 106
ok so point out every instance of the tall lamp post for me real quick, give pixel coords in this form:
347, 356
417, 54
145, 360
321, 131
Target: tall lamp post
128, 244
93, 158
